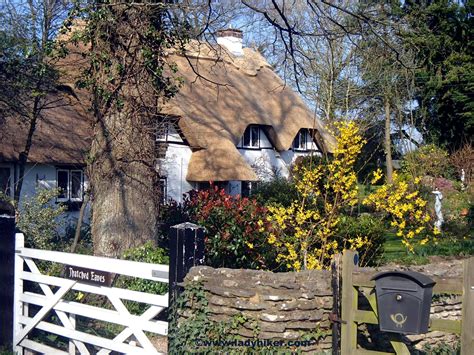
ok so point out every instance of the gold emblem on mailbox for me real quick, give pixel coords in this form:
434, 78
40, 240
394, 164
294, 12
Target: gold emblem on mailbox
399, 319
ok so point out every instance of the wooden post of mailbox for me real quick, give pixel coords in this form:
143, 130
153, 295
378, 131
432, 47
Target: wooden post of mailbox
7, 273
186, 251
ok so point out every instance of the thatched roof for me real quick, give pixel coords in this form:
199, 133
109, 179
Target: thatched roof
62, 135
222, 95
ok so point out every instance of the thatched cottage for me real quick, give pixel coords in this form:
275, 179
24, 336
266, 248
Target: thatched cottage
234, 121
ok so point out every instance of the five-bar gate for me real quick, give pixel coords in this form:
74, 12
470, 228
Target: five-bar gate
48, 308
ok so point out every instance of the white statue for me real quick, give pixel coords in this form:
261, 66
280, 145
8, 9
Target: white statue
463, 178
439, 213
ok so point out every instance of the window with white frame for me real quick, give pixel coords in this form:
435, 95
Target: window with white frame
251, 138
6, 183
70, 183
299, 143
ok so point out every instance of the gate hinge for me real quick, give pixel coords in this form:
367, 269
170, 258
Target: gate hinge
335, 319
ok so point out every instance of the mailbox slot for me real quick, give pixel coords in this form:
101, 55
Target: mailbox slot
403, 301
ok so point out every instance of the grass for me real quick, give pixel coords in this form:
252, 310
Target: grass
395, 251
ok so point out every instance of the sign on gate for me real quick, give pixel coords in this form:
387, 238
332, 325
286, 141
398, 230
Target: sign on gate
88, 276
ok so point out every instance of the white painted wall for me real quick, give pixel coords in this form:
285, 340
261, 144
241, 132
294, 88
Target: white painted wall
175, 166
269, 163
43, 176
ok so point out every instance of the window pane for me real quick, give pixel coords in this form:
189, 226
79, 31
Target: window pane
162, 131
162, 187
245, 188
63, 178
247, 140
303, 140
296, 142
5, 180
254, 136
300, 140
76, 184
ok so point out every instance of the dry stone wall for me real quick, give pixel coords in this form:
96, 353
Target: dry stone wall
291, 306
279, 306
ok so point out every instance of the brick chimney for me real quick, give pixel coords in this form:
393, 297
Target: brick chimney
231, 39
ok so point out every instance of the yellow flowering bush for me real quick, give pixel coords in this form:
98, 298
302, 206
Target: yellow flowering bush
405, 207
308, 232
304, 233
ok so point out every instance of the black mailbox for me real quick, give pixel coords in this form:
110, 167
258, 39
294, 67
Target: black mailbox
403, 301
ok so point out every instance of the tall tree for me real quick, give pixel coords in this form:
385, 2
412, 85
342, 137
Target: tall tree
129, 77
442, 33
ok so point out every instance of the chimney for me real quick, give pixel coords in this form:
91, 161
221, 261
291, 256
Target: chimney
231, 39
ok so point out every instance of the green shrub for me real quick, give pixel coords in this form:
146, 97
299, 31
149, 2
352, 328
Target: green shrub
277, 191
39, 219
171, 214
363, 226
147, 253
441, 349
428, 160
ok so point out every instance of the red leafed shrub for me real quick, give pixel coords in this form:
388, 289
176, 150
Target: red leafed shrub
237, 229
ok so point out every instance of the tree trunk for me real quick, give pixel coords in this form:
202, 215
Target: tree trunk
77, 233
387, 142
128, 84
124, 197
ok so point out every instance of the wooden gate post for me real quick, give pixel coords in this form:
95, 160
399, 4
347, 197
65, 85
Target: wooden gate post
186, 251
349, 302
7, 275
467, 320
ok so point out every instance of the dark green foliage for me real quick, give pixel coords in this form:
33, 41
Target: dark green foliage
170, 215
368, 226
277, 191
146, 253
442, 36
441, 349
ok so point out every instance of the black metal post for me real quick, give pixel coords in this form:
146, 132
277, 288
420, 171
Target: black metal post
7, 277
186, 251
336, 327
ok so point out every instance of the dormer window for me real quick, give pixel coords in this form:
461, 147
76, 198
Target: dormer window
251, 138
162, 132
301, 139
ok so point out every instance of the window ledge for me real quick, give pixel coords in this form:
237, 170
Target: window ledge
71, 206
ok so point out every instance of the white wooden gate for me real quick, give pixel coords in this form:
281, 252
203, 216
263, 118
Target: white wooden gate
134, 338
